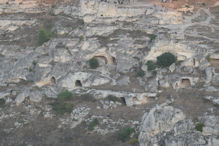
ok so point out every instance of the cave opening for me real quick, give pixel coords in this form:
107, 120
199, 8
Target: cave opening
78, 83
123, 100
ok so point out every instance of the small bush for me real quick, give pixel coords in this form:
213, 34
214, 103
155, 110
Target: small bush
152, 37
166, 59
93, 62
30, 69
93, 124
140, 73
125, 133
187, 6
199, 127
34, 63
81, 38
208, 58
64, 95
60, 105
151, 65
43, 37
113, 98
2, 102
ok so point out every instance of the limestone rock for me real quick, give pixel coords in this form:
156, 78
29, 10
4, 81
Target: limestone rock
4, 94
214, 100
83, 79
35, 96
21, 97
165, 125
209, 74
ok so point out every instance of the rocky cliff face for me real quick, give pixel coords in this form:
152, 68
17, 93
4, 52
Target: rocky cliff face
90, 70
165, 125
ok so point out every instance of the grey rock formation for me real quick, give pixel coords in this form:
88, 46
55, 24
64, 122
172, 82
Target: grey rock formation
21, 97
168, 126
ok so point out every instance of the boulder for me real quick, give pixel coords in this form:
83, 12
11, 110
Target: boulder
21, 97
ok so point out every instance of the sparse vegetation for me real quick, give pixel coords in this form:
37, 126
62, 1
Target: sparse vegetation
113, 98
140, 73
93, 62
60, 105
45, 36
30, 69
125, 133
2, 102
151, 65
199, 127
34, 63
152, 37
93, 124
81, 38
166, 59
208, 58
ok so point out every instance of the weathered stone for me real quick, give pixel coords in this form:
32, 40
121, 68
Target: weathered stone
86, 80
168, 126
4, 94
35, 96
21, 97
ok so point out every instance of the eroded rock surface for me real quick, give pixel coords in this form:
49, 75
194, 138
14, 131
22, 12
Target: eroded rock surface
102, 55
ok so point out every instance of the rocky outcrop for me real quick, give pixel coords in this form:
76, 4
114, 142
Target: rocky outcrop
83, 79
166, 125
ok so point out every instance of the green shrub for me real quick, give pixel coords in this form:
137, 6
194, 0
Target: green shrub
140, 73
81, 38
34, 63
113, 98
2, 102
152, 37
199, 127
151, 65
92, 124
208, 58
93, 62
166, 59
43, 37
61, 105
125, 133
64, 95
30, 69
187, 6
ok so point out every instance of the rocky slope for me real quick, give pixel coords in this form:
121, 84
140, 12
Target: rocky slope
77, 73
